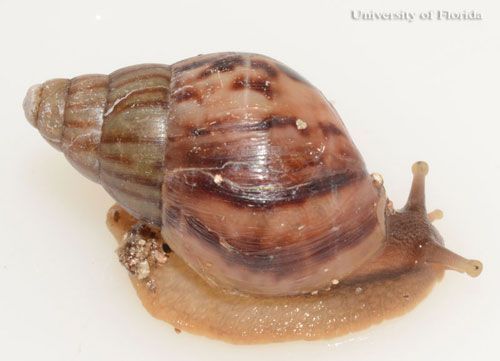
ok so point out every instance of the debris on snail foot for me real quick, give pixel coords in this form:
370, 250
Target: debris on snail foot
245, 211
141, 251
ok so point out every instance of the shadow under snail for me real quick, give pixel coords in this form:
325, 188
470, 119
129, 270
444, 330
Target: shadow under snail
245, 212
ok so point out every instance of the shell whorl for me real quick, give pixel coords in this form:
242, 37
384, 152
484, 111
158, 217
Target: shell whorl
264, 190
112, 129
247, 167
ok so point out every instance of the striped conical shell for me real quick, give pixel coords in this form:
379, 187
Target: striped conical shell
247, 168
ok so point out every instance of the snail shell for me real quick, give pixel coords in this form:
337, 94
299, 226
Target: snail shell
247, 170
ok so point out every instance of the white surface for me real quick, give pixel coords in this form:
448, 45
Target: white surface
407, 91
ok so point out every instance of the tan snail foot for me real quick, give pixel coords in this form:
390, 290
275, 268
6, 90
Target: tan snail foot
172, 292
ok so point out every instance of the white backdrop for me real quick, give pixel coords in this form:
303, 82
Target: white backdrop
406, 91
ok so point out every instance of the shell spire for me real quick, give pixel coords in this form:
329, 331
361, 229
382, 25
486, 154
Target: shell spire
111, 128
68, 114
44, 108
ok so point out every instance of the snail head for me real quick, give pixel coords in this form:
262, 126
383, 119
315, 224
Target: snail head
411, 226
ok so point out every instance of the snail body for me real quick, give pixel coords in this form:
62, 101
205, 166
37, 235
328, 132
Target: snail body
248, 173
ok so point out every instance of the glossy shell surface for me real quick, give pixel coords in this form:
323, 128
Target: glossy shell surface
264, 191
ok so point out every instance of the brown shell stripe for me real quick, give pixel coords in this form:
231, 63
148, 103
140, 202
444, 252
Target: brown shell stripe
221, 125
267, 197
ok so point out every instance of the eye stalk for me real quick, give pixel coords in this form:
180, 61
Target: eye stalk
416, 199
435, 253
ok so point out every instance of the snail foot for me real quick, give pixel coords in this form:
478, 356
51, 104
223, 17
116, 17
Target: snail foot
188, 303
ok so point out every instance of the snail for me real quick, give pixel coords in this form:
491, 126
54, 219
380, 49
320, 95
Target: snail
244, 210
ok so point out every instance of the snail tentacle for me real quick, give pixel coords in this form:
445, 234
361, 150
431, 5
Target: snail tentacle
438, 254
416, 199
435, 215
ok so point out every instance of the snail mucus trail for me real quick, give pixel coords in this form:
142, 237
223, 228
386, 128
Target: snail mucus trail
245, 212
